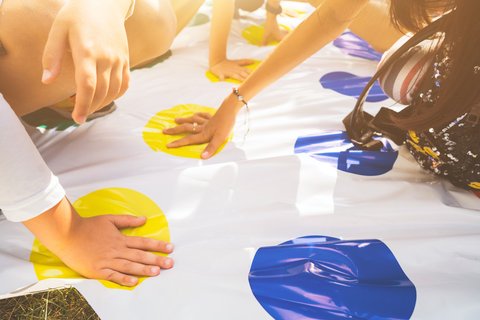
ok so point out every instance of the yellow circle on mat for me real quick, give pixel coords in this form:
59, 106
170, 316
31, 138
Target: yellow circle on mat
254, 34
155, 138
214, 78
105, 201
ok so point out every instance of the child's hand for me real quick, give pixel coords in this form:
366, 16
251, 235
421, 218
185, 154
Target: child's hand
94, 32
273, 32
214, 130
234, 69
95, 247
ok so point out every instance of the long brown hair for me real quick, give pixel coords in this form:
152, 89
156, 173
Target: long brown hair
461, 89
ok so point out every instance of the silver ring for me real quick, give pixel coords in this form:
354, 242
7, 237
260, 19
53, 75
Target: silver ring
195, 125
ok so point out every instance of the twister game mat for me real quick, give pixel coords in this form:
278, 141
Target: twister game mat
288, 222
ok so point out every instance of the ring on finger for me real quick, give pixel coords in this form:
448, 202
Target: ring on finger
195, 126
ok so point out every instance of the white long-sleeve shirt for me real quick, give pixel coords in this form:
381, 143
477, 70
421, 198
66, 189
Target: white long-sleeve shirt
27, 186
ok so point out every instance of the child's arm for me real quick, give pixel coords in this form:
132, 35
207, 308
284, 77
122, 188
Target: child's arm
94, 247
328, 21
95, 33
272, 29
220, 65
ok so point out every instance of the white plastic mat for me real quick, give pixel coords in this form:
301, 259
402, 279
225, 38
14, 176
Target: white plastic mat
257, 192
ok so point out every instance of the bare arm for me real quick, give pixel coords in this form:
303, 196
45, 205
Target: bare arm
95, 248
375, 16
25, 28
220, 65
222, 17
272, 29
329, 20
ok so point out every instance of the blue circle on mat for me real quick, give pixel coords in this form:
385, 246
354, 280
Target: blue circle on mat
352, 85
318, 277
337, 149
353, 45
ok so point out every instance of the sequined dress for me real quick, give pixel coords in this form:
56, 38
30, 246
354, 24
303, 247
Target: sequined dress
452, 150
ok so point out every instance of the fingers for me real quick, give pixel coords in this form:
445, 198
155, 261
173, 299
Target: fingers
184, 128
245, 62
233, 69
119, 278
55, 48
212, 147
193, 124
125, 80
188, 140
147, 258
86, 83
126, 221
149, 244
199, 117
125, 271
101, 90
239, 74
115, 85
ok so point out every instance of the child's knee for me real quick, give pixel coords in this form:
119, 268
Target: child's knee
151, 29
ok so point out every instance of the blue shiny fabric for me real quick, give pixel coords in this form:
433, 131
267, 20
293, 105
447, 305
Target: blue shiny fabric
336, 148
319, 277
355, 46
352, 85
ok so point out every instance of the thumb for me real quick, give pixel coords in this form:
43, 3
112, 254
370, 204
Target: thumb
127, 221
54, 51
212, 147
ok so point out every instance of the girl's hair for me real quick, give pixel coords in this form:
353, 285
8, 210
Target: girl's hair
461, 32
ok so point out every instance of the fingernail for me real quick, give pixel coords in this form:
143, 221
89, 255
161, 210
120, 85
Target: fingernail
132, 280
81, 119
47, 74
154, 270
205, 155
169, 247
167, 263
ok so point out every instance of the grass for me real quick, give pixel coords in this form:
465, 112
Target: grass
64, 304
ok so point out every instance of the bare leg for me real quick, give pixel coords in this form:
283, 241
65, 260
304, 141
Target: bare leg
24, 28
184, 11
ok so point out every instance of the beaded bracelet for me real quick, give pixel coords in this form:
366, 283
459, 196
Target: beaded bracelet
245, 104
240, 97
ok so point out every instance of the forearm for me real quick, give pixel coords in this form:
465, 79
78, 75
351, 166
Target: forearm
325, 24
54, 226
222, 17
271, 17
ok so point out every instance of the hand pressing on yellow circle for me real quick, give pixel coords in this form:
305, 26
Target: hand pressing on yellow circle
273, 33
233, 69
95, 247
214, 130
193, 124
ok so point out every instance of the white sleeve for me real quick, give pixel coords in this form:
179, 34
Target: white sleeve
27, 186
